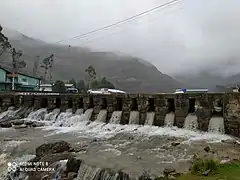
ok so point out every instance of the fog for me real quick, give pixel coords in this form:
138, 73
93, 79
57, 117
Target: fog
188, 36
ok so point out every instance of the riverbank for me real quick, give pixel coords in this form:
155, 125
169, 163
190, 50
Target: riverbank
214, 171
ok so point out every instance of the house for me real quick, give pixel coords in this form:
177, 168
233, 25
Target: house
48, 88
45, 87
22, 81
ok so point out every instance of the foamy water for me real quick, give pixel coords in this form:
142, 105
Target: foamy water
102, 116
150, 118
191, 122
116, 117
134, 117
216, 125
67, 122
169, 119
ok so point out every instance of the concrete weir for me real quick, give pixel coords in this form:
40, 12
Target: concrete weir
204, 106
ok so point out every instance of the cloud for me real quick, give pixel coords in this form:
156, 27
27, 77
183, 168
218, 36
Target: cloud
189, 36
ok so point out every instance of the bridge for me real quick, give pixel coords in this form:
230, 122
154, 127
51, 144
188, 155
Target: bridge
205, 105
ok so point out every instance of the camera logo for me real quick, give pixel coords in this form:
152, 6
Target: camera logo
12, 167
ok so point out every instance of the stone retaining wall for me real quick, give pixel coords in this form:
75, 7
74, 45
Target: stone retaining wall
161, 104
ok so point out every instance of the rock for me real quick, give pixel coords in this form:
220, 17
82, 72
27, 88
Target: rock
229, 141
225, 161
160, 178
72, 175
20, 126
175, 143
206, 173
139, 157
207, 149
17, 122
46, 177
56, 161
51, 148
175, 174
6, 125
73, 165
168, 170
170, 177
145, 176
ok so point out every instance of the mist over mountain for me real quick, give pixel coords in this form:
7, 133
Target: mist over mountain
126, 72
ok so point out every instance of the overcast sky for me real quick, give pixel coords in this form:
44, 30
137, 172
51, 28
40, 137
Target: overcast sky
184, 37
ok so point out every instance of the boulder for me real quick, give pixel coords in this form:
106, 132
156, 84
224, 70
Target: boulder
175, 143
51, 148
20, 126
168, 170
73, 165
17, 122
206, 173
207, 149
5, 125
72, 175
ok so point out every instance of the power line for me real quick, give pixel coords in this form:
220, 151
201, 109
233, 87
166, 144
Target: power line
122, 21
112, 34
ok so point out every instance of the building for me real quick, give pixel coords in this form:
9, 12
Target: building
45, 87
22, 81
48, 88
106, 91
184, 90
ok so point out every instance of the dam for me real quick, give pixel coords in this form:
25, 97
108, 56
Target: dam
134, 133
214, 112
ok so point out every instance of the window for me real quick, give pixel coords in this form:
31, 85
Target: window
24, 80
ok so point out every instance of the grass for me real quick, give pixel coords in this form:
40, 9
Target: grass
217, 171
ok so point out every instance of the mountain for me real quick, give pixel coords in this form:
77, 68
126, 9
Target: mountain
128, 73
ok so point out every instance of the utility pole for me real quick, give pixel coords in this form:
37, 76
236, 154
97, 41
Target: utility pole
35, 65
50, 67
14, 67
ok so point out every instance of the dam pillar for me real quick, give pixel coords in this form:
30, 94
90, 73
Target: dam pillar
181, 109
37, 102
51, 103
111, 101
142, 108
203, 110
28, 101
64, 103
231, 113
127, 105
97, 102
160, 110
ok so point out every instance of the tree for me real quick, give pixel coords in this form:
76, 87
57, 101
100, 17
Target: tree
73, 81
81, 85
92, 75
4, 43
59, 86
47, 65
102, 83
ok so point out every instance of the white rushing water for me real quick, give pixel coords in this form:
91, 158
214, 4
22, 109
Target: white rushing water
88, 114
52, 115
38, 115
216, 125
63, 118
10, 112
116, 117
191, 122
79, 111
150, 118
102, 116
134, 117
169, 119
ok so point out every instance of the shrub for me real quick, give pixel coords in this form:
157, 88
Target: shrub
202, 165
